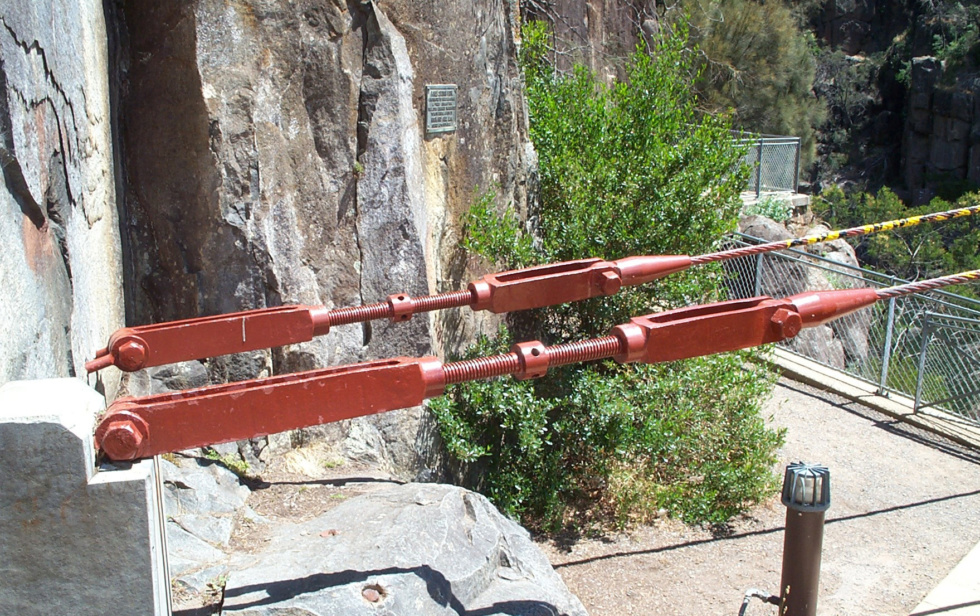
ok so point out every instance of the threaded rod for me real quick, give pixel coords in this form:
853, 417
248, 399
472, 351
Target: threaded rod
481, 368
452, 299
584, 350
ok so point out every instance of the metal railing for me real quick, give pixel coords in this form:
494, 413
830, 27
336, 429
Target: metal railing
926, 347
774, 161
949, 366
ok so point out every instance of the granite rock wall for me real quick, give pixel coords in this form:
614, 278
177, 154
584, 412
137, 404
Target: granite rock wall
276, 153
60, 266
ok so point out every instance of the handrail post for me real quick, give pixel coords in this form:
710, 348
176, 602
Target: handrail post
758, 274
926, 334
796, 176
758, 169
887, 354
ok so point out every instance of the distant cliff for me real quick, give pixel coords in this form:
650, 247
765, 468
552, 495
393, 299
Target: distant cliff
903, 83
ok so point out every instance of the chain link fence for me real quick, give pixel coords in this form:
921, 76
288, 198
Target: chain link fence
949, 366
774, 161
922, 346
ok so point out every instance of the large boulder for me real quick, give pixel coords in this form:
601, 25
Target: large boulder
841, 342
779, 277
422, 549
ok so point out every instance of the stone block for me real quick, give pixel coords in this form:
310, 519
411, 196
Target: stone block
74, 539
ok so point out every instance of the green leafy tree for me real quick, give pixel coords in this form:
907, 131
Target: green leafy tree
627, 169
757, 62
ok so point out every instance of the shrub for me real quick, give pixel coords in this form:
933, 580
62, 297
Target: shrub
625, 170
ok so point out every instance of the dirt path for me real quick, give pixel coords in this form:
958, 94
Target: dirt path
905, 509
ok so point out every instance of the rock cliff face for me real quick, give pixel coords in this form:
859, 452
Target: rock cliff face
596, 33
60, 268
275, 152
911, 120
942, 129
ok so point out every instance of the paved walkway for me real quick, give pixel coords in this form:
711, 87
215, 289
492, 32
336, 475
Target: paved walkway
904, 513
959, 593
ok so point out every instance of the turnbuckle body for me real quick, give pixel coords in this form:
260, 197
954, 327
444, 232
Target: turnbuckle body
145, 346
142, 427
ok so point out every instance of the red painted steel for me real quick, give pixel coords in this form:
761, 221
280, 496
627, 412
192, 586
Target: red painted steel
712, 328
235, 411
142, 427
570, 281
134, 348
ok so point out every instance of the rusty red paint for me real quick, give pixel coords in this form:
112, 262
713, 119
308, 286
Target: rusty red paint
142, 427
247, 409
134, 348
570, 281
145, 346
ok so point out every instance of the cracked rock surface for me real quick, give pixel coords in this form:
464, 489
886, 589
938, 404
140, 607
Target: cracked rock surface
60, 268
425, 549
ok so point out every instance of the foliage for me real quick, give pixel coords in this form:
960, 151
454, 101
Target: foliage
627, 169
758, 62
232, 462
920, 252
957, 40
498, 237
616, 443
770, 207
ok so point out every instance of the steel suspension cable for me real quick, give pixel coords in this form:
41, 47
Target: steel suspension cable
830, 236
928, 285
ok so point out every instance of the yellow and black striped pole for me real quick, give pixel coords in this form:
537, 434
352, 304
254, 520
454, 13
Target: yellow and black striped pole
830, 236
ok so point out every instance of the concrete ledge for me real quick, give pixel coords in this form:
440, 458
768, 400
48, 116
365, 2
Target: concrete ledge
895, 405
959, 593
74, 539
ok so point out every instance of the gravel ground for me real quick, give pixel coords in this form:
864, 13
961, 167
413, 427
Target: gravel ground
905, 509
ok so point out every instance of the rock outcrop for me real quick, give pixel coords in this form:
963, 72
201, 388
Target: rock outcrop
412, 549
598, 34
941, 143
276, 153
60, 269
836, 344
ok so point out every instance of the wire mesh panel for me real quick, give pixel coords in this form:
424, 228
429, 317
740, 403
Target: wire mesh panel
882, 344
949, 366
774, 162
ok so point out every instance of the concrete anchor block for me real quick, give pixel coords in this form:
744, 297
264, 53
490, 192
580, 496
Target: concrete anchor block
74, 539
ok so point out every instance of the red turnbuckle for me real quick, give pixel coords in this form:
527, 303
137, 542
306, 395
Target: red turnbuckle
142, 427
134, 348
570, 281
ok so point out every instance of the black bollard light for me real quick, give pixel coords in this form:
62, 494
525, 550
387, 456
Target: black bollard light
806, 494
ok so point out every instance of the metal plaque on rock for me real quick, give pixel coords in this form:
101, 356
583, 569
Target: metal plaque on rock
440, 108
